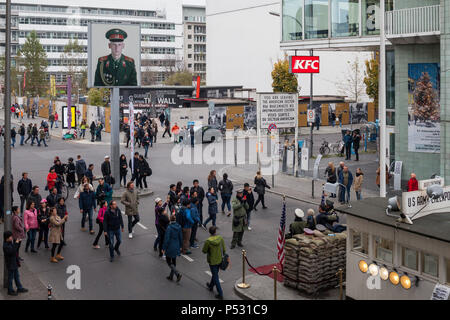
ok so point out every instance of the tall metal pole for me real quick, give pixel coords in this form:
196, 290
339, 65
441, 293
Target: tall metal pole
7, 142
382, 102
115, 137
312, 108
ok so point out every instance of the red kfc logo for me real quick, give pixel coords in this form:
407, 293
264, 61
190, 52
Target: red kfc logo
304, 64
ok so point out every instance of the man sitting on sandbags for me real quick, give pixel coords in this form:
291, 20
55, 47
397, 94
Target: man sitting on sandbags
329, 218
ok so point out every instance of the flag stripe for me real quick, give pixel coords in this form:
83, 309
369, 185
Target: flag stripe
281, 239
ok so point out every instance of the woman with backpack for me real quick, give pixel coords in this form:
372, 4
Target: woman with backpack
214, 247
144, 172
260, 189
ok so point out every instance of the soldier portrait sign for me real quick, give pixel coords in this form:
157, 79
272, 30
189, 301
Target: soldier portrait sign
114, 58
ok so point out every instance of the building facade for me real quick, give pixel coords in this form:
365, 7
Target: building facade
417, 67
58, 22
194, 33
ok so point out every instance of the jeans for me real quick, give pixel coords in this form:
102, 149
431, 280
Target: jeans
13, 142
111, 235
23, 199
193, 234
249, 215
226, 198
33, 138
358, 195
345, 191
22, 138
146, 150
172, 263
356, 153
51, 124
56, 123
212, 217
13, 275
215, 279
192, 141
260, 199
83, 218
31, 236
39, 142
132, 223
142, 178
83, 132
348, 152
99, 234
28, 138
158, 238
43, 235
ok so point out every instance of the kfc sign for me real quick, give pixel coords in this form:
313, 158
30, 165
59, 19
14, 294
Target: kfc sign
304, 64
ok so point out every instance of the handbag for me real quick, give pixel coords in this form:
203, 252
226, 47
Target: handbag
112, 180
225, 261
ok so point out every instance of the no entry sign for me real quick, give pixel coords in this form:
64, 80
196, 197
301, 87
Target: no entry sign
311, 115
272, 126
304, 64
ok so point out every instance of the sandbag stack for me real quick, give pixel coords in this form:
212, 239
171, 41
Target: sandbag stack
318, 259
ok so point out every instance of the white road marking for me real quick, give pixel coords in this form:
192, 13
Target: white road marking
187, 258
209, 274
142, 226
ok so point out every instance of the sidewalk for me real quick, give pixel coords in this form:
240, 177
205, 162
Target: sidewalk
295, 188
37, 289
262, 288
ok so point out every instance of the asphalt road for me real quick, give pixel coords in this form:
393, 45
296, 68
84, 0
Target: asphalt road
139, 273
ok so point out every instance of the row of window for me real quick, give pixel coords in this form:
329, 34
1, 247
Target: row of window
309, 18
85, 22
56, 35
155, 50
200, 29
159, 63
52, 48
194, 19
65, 62
156, 77
157, 38
419, 261
96, 11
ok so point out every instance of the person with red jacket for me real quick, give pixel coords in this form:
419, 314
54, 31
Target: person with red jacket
413, 184
51, 178
56, 119
100, 218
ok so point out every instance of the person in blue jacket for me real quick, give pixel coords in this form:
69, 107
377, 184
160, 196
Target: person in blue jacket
87, 206
348, 145
346, 179
196, 217
173, 241
212, 198
186, 222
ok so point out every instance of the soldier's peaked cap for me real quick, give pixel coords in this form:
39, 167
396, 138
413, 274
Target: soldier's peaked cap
116, 35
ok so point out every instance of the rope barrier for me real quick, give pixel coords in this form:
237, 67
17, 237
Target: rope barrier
256, 271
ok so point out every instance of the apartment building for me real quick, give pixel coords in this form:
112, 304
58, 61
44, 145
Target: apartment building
59, 21
417, 67
194, 32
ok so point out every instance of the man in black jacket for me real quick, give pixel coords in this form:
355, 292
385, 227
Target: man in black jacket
80, 168
35, 196
34, 134
200, 196
29, 129
24, 187
135, 172
113, 226
10, 249
52, 198
106, 170
22, 133
248, 194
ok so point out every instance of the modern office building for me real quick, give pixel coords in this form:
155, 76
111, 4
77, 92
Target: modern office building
58, 21
194, 33
417, 67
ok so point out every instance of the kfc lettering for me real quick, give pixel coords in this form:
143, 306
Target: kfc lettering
304, 64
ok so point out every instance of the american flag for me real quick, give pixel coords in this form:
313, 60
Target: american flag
281, 240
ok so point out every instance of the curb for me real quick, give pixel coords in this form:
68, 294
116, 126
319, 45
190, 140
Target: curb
239, 292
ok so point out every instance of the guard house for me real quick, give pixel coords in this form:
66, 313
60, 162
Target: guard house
389, 258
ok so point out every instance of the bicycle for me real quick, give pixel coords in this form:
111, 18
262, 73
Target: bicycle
337, 147
324, 148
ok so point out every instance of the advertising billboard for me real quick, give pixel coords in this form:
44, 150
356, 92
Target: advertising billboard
114, 55
424, 129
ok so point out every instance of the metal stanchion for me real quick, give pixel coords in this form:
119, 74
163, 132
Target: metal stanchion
341, 291
275, 276
243, 285
49, 292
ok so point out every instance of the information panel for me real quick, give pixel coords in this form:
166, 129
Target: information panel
278, 108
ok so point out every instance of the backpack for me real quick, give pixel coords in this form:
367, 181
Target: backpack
181, 219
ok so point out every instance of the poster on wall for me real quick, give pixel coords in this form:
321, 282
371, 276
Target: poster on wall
424, 107
114, 55
218, 117
359, 113
235, 117
250, 117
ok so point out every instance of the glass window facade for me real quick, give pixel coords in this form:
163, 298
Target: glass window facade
410, 258
292, 20
383, 249
316, 19
360, 242
390, 79
344, 18
430, 264
370, 11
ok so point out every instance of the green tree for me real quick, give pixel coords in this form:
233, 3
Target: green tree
71, 57
283, 80
14, 75
98, 97
181, 78
371, 78
34, 61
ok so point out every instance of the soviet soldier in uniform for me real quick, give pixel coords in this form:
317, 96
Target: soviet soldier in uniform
115, 69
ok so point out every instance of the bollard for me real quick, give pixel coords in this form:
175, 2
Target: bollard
275, 277
243, 285
341, 291
49, 292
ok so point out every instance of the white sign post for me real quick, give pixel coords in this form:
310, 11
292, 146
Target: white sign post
398, 175
311, 115
281, 110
